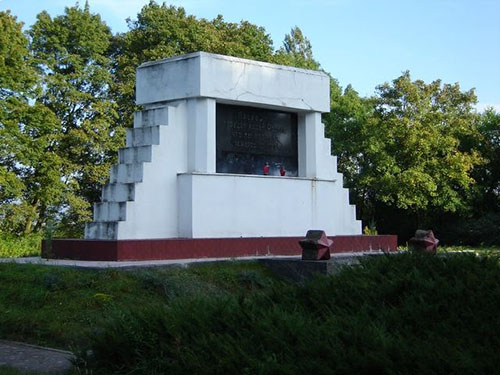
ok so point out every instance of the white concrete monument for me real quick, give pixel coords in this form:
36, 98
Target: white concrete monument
203, 159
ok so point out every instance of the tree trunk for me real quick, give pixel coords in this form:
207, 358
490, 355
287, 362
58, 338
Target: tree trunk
33, 215
28, 225
40, 216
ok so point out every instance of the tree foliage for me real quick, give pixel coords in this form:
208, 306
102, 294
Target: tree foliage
29, 174
67, 92
162, 31
488, 177
59, 137
67, 95
407, 147
296, 51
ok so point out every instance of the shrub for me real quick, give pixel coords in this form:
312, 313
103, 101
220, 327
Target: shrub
393, 314
12, 246
482, 230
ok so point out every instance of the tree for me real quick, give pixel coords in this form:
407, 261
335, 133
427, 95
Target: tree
162, 31
29, 174
409, 152
296, 51
16, 81
488, 175
72, 56
347, 124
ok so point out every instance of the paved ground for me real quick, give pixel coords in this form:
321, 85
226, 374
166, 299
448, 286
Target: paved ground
155, 263
34, 359
121, 264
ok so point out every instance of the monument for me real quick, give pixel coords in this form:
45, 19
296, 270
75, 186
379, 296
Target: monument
224, 148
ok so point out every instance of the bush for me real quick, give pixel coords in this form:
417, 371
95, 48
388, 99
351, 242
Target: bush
394, 314
12, 246
482, 230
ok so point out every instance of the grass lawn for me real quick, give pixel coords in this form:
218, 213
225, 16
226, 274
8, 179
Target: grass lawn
60, 306
404, 314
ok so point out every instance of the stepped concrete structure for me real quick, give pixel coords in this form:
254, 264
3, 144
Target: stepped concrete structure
227, 158
167, 185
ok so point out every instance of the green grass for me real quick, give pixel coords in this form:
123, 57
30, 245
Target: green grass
59, 307
479, 250
405, 314
4, 370
12, 246
394, 315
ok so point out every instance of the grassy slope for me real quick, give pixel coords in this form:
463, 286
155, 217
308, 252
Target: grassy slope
59, 307
393, 315
406, 314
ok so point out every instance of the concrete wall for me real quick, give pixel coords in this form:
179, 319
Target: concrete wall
220, 205
232, 79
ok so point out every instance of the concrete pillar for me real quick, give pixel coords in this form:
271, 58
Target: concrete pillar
201, 135
310, 138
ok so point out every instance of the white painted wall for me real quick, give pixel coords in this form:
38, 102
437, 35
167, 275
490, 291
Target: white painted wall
225, 205
166, 186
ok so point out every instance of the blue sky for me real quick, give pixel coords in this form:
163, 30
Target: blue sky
361, 42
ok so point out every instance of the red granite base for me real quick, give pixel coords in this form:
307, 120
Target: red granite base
156, 249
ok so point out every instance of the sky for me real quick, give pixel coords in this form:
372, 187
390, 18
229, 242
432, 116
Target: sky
360, 42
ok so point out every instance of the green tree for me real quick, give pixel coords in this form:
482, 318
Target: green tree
29, 172
296, 51
347, 124
488, 175
410, 150
480, 224
67, 94
162, 31
72, 56
16, 82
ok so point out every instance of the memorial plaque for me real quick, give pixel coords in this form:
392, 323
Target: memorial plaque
256, 141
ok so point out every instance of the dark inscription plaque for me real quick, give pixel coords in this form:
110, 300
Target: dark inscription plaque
247, 138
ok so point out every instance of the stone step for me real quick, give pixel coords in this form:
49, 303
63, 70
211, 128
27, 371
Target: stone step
110, 211
327, 144
126, 173
101, 230
333, 161
353, 212
131, 155
152, 116
118, 192
144, 136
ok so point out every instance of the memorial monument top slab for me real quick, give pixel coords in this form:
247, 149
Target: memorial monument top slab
232, 80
